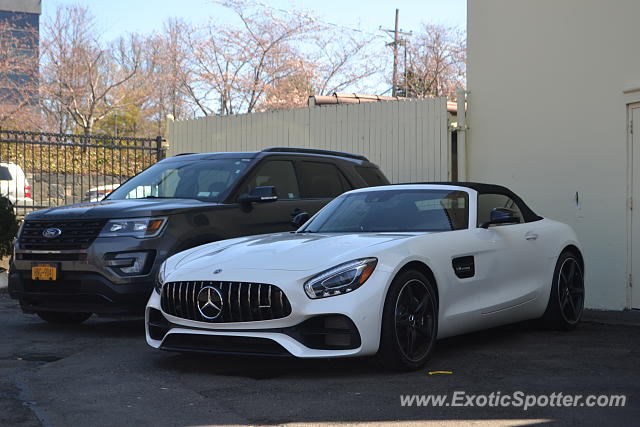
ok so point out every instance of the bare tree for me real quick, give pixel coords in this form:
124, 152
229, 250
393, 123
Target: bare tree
342, 61
168, 63
235, 65
80, 76
292, 91
272, 59
436, 59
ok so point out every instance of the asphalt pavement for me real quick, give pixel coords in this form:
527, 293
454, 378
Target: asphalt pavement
102, 373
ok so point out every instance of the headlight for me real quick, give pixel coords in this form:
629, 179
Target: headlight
134, 227
160, 278
340, 279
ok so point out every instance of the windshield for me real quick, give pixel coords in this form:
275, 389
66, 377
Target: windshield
189, 179
393, 211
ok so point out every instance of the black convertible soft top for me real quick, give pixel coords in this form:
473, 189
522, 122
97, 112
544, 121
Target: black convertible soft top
527, 214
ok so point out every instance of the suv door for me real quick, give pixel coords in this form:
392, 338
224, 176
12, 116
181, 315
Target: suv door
271, 217
301, 186
320, 182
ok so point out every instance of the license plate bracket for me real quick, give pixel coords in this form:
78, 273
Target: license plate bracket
45, 271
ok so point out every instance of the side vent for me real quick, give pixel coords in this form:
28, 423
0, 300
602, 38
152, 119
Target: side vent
464, 267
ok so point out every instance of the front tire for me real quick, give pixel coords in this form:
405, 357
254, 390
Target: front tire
566, 301
409, 322
63, 318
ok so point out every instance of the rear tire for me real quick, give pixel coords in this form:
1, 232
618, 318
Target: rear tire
409, 322
63, 318
566, 301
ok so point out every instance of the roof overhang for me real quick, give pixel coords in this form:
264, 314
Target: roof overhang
359, 98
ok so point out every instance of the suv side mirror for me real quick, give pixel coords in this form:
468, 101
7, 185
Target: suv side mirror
299, 220
501, 216
259, 195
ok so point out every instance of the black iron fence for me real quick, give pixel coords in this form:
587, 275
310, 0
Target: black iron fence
40, 170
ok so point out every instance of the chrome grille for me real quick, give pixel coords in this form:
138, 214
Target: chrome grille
242, 301
75, 234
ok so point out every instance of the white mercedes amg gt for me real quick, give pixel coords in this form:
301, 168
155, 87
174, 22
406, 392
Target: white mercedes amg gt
383, 270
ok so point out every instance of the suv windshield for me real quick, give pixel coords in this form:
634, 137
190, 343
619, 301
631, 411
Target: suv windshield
188, 179
393, 211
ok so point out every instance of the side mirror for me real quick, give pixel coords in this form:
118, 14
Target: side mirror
299, 220
259, 195
501, 216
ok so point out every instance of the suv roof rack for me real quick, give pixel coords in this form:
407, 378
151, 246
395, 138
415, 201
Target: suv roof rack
314, 151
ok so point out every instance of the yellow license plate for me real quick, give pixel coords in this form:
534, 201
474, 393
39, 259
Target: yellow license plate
44, 272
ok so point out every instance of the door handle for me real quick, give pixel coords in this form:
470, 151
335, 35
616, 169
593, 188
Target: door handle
531, 235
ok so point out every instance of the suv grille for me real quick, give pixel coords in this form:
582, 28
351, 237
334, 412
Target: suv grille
75, 234
241, 302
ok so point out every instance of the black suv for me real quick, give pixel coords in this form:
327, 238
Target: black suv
72, 261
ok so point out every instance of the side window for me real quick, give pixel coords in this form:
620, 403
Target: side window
486, 202
372, 176
5, 175
279, 174
321, 180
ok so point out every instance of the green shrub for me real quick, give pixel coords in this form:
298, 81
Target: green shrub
8, 227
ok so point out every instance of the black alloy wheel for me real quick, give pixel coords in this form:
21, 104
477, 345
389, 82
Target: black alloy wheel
415, 313
571, 290
409, 322
566, 300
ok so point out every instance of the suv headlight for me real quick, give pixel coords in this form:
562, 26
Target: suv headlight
340, 279
161, 277
134, 227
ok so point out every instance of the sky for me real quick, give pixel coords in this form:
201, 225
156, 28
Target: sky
118, 17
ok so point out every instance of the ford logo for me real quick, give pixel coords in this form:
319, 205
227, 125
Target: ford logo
51, 233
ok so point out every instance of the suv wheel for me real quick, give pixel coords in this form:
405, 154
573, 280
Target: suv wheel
58, 317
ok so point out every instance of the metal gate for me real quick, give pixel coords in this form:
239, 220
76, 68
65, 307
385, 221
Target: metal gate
40, 170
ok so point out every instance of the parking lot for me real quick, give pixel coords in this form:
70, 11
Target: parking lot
103, 373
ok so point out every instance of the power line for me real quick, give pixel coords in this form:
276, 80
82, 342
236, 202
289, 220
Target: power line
302, 14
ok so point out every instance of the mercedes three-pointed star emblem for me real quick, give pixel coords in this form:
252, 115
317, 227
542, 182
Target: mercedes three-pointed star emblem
209, 302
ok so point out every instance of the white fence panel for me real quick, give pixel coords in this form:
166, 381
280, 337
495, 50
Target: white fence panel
407, 139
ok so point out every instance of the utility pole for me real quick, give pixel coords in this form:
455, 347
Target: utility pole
395, 54
395, 43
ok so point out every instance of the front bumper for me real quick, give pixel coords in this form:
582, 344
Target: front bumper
341, 326
86, 283
78, 292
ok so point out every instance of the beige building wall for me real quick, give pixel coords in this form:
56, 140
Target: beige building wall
549, 82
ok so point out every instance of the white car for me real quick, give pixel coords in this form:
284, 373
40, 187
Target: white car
96, 194
14, 185
383, 270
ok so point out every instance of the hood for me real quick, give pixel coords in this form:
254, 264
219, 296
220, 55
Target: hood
282, 251
127, 208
